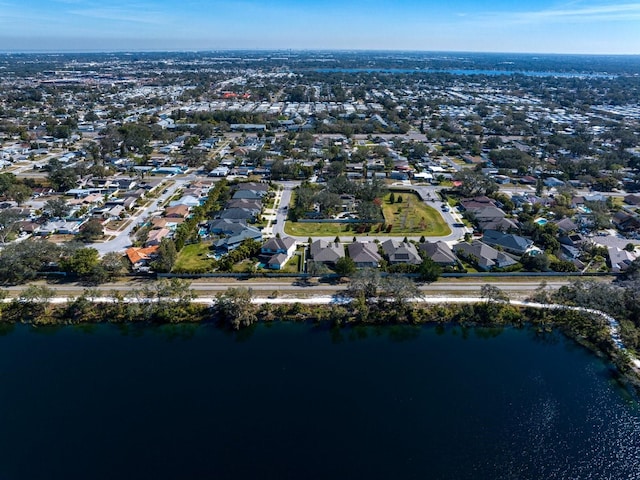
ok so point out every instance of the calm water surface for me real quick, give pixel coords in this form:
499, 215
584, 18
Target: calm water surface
290, 401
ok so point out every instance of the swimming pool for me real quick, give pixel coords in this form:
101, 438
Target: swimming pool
541, 221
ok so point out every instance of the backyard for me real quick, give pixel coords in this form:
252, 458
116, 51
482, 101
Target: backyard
194, 258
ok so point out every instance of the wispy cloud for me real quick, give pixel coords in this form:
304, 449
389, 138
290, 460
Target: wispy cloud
576, 13
129, 15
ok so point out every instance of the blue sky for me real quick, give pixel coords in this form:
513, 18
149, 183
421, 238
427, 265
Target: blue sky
540, 26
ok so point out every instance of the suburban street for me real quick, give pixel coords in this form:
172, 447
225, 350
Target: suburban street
122, 241
516, 288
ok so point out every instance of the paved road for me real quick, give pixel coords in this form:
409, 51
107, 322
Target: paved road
452, 287
123, 240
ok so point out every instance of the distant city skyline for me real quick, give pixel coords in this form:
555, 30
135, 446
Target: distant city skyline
537, 26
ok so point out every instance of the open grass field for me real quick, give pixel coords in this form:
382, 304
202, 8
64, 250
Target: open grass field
317, 229
193, 258
412, 217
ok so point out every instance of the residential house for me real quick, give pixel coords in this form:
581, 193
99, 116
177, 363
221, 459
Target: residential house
508, 242
249, 194
477, 203
244, 214
620, 259
233, 241
254, 186
275, 245
156, 236
364, 254
552, 182
326, 252
61, 227
503, 224
632, 200
255, 205
163, 222
484, 256
187, 200
141, 257
398, 251
223, 226
177, 211
566, 225
277, 261
575, 240
440, 252
219, 172
626, 222
278, 250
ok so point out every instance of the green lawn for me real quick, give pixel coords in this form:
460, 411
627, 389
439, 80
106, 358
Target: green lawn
413, 217
193, 258
316, 229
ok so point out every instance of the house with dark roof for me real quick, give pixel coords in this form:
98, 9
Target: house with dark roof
508, 242
277, 261
625, 222
483, 256
566, 225
233, 241
326, 252
364, 254
501, 224
249, 194
632, 200
244, 214
224, 226
476, 203
255, 186
440, 252
398, 251
278, 251
245, 203
286, 245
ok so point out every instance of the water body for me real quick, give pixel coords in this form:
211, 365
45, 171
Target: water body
458, 71
290, 401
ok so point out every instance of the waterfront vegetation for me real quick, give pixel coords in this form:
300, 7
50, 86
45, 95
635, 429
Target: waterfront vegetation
369, 300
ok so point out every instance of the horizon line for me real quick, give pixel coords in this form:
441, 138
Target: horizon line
301, 50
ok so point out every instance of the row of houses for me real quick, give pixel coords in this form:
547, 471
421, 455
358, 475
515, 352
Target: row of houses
396, 251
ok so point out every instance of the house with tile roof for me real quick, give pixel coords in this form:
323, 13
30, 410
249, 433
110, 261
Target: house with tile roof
141, 257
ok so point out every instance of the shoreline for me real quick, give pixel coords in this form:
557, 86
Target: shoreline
339, 301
